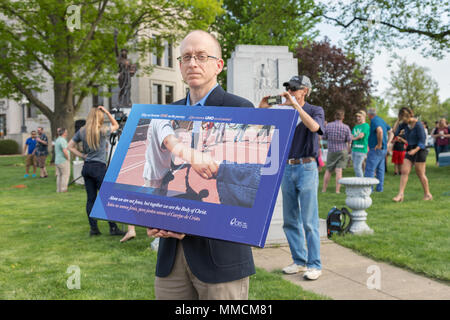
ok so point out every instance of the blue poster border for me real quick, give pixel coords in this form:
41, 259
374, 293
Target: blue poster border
121, 203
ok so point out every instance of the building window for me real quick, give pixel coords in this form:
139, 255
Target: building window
169, 94
31, 110
168, 55
157, 94
156, 60
97, 98
2, 125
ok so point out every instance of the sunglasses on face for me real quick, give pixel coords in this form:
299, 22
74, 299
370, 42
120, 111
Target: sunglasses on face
293, 88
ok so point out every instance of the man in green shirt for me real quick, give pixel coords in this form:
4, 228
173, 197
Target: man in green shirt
62, 161
360, 137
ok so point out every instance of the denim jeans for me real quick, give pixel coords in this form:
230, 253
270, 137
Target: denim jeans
439, 150
301, 213
358, 159
376, 164
93, 173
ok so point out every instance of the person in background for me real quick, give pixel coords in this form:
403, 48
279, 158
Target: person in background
62, 161
425, 127
300, 182
398, 152
41, 152
94, 136
339, 138
380, 137
442, 138
360, 137
433, 133
416, 152
28, 152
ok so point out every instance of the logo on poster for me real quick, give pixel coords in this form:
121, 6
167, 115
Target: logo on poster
236, 223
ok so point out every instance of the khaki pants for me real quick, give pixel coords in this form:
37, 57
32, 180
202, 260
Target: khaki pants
62, 176
182, 284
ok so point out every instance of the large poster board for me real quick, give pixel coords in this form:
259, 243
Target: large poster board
146, 185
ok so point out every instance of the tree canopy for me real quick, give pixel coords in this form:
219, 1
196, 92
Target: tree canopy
411, 86
264, 22
339, 81
44, 42
417, 24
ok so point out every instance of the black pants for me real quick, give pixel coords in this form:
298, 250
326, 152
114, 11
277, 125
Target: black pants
93, 173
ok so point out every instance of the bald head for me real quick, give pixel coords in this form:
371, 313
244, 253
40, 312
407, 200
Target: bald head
208, 41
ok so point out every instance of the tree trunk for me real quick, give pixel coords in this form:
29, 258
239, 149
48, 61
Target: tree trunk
63, 115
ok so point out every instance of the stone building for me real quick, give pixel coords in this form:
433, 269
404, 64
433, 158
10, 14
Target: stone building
163, 86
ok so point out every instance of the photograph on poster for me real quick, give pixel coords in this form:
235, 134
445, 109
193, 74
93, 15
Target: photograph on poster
209, 171
238, 149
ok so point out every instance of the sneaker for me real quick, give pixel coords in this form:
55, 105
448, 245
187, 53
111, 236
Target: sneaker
25, 175
33, 175
294, 268
312, 274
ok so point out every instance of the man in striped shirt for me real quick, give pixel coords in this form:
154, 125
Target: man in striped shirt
339, 139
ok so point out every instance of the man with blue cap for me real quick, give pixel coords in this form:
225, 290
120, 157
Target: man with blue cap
301, 181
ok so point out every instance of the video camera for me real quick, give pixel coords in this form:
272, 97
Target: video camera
274, 100
119, 115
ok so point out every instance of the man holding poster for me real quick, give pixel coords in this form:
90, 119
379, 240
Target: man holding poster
192, 267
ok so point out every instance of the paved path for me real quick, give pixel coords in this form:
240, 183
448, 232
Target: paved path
346, 276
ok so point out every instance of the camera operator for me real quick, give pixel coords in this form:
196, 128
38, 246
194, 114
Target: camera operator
301, 180
94, 137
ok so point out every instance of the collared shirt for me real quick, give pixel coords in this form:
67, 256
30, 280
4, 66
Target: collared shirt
374, 124
305, 142
60, 145
31, 144
415, 136
42, 149
197, 124
338, 135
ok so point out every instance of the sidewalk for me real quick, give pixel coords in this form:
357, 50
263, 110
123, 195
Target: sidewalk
345, 276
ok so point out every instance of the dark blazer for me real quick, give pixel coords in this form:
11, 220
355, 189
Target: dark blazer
210, 260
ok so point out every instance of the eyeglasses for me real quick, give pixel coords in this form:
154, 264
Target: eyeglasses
201, 58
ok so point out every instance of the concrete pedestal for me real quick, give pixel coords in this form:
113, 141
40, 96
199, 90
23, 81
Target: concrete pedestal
358, 192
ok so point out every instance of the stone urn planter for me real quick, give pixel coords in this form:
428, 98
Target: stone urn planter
358, 199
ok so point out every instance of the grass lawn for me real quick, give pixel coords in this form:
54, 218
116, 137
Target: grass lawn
45, 233
413, 234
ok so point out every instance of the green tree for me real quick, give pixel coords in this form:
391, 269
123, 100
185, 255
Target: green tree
339, 80
264, 22
382, 107
394, 24
436, 112
411, 86
69, 44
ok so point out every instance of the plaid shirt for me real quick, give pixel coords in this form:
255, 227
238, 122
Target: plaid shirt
338, 135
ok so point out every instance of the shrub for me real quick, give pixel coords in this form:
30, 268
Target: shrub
9, 147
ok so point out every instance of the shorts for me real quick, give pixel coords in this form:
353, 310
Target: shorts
337, 160
30, 160
398, 156
420, 156
40, 160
